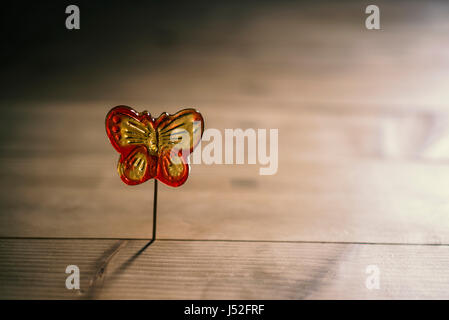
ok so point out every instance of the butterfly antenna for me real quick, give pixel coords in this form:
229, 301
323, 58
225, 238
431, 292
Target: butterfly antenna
154, 210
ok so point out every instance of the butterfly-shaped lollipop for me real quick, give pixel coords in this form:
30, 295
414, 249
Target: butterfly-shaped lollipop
154, 148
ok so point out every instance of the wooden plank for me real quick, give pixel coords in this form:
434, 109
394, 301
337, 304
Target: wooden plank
348, 202
302, 53
110, 269
361, 156
50, 130
356, 176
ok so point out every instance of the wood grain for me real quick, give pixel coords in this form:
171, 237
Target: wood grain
363, 139
363, 157
353, 176
35, 269
362, 119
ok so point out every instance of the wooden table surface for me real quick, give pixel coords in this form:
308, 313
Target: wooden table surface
363, 176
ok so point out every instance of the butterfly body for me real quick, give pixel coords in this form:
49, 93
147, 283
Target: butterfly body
153, 148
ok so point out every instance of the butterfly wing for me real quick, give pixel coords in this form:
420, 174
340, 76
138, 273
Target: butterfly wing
133, 135
178, 135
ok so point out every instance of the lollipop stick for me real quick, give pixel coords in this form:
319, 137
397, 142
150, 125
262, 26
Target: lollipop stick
154, 210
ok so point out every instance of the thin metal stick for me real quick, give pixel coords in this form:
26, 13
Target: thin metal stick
154, 210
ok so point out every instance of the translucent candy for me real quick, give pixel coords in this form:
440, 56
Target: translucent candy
154, 148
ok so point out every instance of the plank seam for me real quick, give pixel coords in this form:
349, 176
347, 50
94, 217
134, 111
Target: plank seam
234, 240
